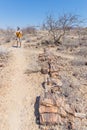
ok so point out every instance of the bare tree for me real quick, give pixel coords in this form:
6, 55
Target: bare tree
57, 28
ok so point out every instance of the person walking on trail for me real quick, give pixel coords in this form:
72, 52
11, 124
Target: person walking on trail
19, 36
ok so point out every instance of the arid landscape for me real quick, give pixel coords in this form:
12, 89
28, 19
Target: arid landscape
40, 71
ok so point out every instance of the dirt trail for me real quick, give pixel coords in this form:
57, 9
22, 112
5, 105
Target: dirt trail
17, 93
18, 102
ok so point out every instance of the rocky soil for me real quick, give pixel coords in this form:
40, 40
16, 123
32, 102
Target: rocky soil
37, 69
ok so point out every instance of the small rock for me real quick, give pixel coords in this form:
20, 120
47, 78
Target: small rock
68, 109
80, 115
62, 112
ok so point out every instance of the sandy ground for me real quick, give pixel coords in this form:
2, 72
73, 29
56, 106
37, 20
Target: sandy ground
18, 91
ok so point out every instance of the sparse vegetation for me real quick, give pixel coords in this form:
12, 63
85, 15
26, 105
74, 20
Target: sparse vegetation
3, 52
4, 55
29, 30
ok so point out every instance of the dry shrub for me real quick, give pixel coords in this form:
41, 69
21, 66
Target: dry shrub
7, 40
7, 35
29, 30
3, 54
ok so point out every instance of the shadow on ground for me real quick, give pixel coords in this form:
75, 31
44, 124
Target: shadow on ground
36, 108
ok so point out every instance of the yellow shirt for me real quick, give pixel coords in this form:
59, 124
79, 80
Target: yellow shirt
19, 34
